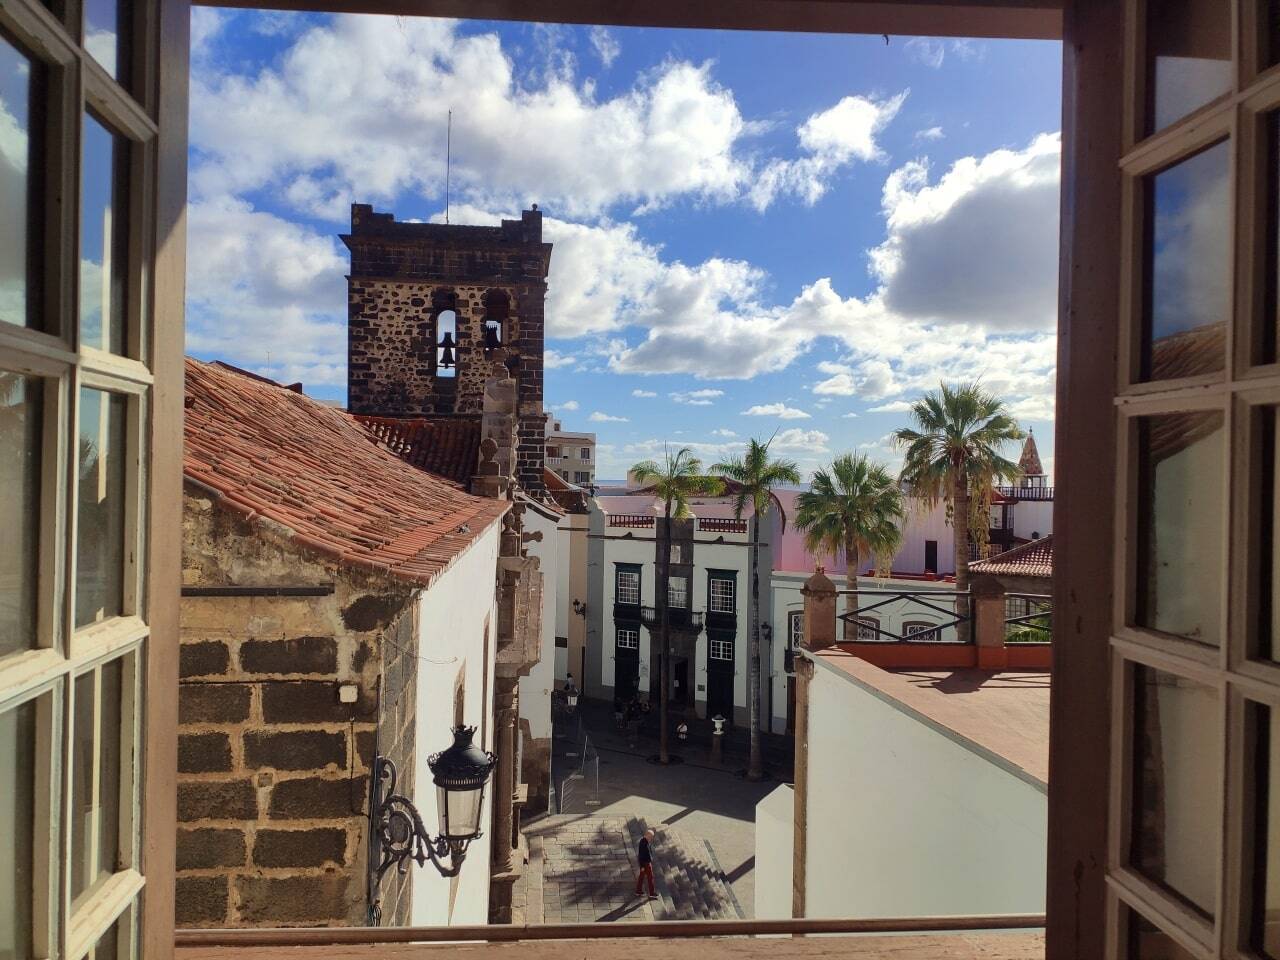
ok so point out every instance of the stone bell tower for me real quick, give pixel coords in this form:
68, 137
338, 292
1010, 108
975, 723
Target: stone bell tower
431, 306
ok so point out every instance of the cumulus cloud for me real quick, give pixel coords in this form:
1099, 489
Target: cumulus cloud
598, 417
808, 441
553, 359
646, 394
697, 398
929, 133
831, 140
779, 410
893, 406
319, 138
569, 405
722, 432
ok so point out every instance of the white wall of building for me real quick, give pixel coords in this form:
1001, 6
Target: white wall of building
452, 643
1032, 519
774, 832
906, 820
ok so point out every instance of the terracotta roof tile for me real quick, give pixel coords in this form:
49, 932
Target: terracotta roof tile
271, 452
1032, 559
449, 447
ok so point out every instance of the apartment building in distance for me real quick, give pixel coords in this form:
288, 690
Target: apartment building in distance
571, 455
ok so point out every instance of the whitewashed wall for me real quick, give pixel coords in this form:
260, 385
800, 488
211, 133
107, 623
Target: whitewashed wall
906, 820
452, 640
1032, 519
774, 838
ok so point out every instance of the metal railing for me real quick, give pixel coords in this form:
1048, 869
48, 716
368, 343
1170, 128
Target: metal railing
1026, 493
677, 617
934, 601
1028, 618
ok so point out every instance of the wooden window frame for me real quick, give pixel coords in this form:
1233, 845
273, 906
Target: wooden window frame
712, 580
633, 632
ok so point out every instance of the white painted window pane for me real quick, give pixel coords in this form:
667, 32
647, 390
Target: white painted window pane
628, 586
104, 237
679, 593
19, 167
100, 554
722, 596
1175, 819
1180, 526
17, 814
21, 421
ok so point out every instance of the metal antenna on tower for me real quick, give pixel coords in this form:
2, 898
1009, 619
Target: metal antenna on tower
448, 163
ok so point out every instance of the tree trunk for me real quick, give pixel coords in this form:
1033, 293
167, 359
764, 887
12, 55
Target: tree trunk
661, 598
755, 766
852, 563
960, 525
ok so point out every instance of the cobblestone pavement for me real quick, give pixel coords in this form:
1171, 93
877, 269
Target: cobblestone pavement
587, 868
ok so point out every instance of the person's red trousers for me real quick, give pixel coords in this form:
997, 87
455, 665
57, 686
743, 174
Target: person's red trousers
646, 873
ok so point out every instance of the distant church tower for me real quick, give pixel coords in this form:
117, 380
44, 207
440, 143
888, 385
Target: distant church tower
428, 303
1033, 474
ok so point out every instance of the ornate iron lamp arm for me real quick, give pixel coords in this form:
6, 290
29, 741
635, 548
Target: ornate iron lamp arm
400, 834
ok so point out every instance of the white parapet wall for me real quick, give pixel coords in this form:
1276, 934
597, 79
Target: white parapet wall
774, 839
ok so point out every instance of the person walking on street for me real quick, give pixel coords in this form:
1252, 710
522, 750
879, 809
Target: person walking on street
645, 856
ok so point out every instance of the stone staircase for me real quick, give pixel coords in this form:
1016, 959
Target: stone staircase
691, 885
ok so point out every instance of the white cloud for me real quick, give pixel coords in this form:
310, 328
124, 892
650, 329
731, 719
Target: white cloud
929, 133
808, 441
893, 406
320, 138
696, 398
840, 385
569, 405
553, 359
849, 416
831, 140
929, 51
599, 417
643, 393
779, 410
722, 432
605, 45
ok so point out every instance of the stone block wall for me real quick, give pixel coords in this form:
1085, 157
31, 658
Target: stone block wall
273, 769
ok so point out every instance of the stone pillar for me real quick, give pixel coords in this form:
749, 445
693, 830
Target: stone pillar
505, 710
988, 622
819, 634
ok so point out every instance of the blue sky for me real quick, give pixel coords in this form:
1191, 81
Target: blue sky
754, 233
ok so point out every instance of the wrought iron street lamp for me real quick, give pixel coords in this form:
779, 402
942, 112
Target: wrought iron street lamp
460, 774
570, 693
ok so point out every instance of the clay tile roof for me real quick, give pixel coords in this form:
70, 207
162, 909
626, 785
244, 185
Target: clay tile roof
1032, 559
271, 453
446, 446
1029, 464
1189, 352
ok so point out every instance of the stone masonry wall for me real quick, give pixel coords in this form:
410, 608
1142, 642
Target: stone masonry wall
272, 767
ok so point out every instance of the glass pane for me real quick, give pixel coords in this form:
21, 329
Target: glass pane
1175, 771
1188, 57
106, 36
20, 428
108, 946
100, 552
20, 168
1265, 912
17, 813
109, 756
81, 786
1188, 220
1270, 30
1180, 518
104, 237
1148, 942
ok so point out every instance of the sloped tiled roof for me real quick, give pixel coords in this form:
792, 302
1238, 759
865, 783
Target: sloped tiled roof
1029, 464
1032, 559
269, 452
447, 447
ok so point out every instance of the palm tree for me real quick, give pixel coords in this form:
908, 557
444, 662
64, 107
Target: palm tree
673, 481
953, 455
753, 477
853, 509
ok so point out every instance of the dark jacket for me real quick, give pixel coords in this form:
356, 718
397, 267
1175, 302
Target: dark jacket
645, 856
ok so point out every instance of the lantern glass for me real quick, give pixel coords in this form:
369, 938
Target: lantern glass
460, 811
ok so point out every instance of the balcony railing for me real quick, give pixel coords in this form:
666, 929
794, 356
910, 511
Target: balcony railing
678, 617
1028, 618
937, 602
1026, 493
722, 525
630, 520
